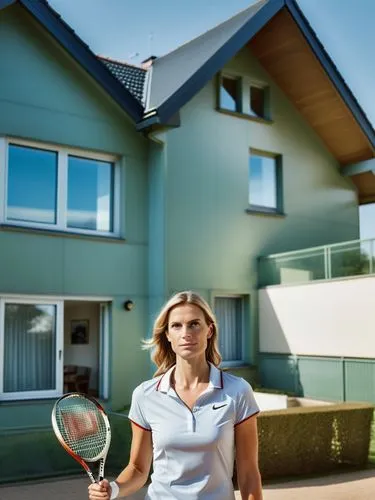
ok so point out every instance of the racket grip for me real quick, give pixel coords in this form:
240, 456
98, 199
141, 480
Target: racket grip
91, 476
101, 469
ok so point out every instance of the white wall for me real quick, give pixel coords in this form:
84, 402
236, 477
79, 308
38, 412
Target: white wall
333, 318
83, 354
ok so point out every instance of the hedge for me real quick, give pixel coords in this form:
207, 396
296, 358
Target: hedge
292, 442
305, 440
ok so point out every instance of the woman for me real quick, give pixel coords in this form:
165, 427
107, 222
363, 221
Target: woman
190, 417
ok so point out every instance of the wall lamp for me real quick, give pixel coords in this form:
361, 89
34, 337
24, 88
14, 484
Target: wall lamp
128, 305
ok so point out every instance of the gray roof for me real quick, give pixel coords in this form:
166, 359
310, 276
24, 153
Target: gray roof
132, 77
171, 71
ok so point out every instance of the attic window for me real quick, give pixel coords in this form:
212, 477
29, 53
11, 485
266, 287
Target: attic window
258, 101
230, 94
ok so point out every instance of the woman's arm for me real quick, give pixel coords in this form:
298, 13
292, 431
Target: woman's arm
135, 474
248, 475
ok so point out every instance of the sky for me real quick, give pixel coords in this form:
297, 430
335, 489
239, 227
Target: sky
132, 30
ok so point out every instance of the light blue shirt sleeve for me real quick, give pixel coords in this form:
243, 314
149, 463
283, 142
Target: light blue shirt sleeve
137, 409
246, 406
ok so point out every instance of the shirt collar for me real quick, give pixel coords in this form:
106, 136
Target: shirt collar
216, 379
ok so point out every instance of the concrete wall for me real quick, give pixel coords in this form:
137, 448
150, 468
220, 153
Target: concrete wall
333, 318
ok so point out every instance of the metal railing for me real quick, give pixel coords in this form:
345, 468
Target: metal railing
351, 258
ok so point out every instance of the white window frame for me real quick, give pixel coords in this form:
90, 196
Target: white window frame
57, 391
104, 303
241, 362
62, 176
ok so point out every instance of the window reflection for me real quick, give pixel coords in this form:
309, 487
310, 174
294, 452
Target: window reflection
90, 194
262, 181
32, 185
230, 94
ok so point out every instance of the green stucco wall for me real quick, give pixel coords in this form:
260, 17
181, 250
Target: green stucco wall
319, 377
213, 244
47, 97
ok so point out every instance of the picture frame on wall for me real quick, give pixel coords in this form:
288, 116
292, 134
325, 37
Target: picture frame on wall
79, 331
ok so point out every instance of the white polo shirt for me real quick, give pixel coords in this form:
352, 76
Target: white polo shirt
193, 450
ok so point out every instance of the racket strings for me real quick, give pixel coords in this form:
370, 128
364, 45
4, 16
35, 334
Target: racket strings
82, 427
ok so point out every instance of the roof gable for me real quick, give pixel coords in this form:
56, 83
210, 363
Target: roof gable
178, 76
68, 39
173, 71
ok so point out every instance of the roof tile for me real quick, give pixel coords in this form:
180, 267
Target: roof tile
132, 77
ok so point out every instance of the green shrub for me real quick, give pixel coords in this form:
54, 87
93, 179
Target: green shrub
307, 440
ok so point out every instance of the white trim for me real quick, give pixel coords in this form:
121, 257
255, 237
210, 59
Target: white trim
63, 154
83, 153
146, 98
104, 351
62, 187
119, 180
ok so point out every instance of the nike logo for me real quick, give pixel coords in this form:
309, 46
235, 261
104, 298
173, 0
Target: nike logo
217, 407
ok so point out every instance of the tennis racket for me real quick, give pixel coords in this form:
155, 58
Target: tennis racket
82, 428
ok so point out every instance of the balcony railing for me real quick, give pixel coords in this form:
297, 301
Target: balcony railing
352, 258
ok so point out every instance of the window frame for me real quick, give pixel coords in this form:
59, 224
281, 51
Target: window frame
243, 298
63, 154
266, 99
59, 349
239, 85
279, 209
105, 304
245, 83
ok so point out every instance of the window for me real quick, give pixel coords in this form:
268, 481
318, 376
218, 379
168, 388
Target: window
241, 95
30, 342
61, 189
230, 317
41, 355
230, 94
258, 101
265, 190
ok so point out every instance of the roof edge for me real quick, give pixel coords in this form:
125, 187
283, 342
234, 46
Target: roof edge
6, 3
81, 52
331, 70
214, 64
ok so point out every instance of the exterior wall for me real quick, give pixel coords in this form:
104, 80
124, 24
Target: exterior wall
317, 339
324, 378
45, 96
332, 318
213, 244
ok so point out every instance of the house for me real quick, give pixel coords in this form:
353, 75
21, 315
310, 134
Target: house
121, 185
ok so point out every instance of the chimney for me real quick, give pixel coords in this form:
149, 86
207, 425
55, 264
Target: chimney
147, 63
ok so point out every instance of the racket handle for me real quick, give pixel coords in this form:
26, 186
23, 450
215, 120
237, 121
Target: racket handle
91, 476
101, 469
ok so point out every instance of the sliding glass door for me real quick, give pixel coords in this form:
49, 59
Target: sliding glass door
31, 348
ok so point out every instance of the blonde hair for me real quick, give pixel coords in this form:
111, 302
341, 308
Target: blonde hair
163, 355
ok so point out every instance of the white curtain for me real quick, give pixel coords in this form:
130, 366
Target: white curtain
29, 347
228, 312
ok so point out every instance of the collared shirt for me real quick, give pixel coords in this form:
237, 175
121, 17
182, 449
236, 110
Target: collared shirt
193, 450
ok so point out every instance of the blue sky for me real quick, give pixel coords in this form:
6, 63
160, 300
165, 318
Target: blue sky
131, 30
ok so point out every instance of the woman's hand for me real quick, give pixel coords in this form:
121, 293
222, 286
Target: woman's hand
100, 491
